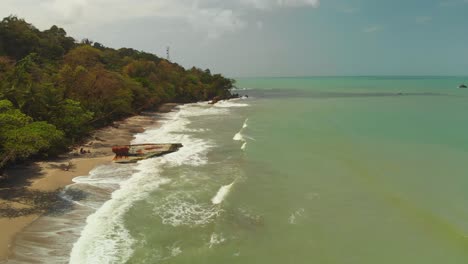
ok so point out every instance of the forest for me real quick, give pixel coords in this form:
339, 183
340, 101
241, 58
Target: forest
55, 90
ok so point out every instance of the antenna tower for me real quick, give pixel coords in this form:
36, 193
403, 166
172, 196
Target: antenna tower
168, 56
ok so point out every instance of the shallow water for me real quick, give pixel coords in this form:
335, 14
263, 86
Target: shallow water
306, 170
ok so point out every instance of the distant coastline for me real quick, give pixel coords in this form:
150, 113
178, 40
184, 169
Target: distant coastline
55, 90
59, 94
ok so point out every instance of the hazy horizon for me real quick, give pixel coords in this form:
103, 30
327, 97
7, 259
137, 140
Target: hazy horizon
249, 38
354, 76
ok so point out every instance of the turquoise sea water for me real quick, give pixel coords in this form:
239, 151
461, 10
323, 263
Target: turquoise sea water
355, 170
379, 177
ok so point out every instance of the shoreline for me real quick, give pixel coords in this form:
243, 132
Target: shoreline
46, 176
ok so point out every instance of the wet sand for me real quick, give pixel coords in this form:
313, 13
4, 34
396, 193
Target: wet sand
52, 175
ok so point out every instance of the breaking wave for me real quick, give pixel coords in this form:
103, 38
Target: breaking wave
182, 209
230, 103
105, 238
216, 239
296, 215
240, 137
222, 193
244, 146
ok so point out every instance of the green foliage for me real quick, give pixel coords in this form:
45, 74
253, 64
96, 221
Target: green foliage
11, 118
71, 118
19, 38
20, 137
84, 55
32, 139
52, 87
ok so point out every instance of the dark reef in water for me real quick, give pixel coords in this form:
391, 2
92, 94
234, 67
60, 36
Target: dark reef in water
288, 93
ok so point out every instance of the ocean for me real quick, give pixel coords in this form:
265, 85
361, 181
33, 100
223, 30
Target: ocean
326, 170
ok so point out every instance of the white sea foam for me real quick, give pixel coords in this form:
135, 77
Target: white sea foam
201, 109
238, 137
105, 176
222, 193
196, 130
194, 150
240, 89
175, 251
181, 209
230, 103
294, 216
245, 123
241, 137
216, 239
248, 137
105, 238
194, 153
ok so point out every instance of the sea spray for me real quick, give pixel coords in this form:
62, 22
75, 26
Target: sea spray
363, 213
240, 137
222, 193
216, 239
105, 238
243, 147
294, 216
58, 232
181, 208
230, 103
175, 251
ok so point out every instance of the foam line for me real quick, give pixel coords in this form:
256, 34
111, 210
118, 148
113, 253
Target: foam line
222, 193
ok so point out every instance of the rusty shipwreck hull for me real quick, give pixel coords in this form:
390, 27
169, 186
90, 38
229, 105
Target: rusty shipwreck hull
134, 153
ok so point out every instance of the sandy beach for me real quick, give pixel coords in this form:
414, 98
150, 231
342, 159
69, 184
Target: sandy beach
46, 176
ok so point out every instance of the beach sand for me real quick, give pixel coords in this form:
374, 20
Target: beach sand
52, 175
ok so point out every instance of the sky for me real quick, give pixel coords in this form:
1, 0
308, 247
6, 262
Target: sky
247, 38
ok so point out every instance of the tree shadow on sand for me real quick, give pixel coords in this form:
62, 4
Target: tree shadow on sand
24, 202
66, 166
19, 175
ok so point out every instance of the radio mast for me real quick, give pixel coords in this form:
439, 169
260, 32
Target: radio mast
168, 56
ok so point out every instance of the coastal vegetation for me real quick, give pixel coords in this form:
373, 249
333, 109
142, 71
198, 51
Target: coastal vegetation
55, 90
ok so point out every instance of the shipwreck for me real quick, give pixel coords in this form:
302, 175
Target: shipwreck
134, 153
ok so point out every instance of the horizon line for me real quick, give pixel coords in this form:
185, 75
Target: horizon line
348, 76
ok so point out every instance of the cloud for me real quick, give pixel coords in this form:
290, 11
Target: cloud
66, 11
259, 25
423, 19
209, 17
267, 4
215, 22
372, 29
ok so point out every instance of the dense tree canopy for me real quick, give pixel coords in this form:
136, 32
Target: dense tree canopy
21, 137
55, 90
